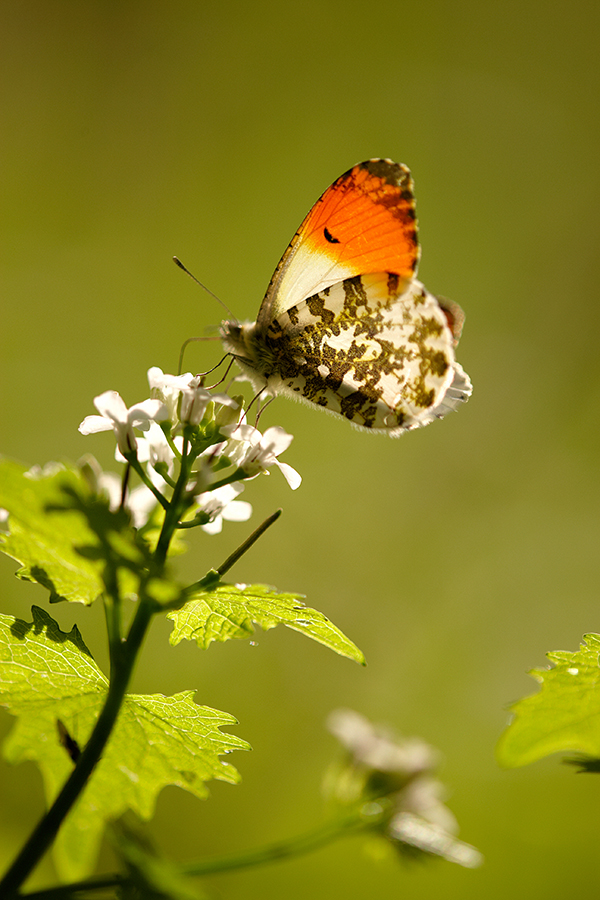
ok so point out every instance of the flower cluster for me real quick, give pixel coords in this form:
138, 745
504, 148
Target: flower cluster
191, 441
392, 780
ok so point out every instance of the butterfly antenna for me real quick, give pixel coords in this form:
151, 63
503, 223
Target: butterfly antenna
203, 286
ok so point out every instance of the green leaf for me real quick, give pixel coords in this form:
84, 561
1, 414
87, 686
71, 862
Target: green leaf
48, 676
229, 611
564, 715
65, 536
44, 541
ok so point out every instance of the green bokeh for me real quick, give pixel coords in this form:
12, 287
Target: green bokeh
456, 556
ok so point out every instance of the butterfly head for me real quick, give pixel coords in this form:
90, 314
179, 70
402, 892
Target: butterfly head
251, 355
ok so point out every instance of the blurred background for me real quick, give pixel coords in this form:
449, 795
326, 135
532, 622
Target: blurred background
456, 556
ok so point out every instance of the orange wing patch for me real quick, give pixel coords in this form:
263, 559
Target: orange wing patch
363, 224
366, 220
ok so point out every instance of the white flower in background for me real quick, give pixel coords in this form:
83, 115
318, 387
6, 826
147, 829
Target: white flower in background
377, 749
254, 452
221, 504
401, 770
115, 415
140, 501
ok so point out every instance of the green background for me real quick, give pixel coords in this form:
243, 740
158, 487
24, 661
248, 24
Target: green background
456, 556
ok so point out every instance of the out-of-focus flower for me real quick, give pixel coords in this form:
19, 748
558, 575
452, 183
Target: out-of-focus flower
395, 775
140, 501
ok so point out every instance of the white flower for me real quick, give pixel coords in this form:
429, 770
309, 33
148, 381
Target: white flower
140, 501
194, 396
168, 387
114, 414
401, 770
229, 413
153, 447
376, 749
254, 452
221, 504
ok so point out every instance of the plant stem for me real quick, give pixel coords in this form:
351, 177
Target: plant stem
47, 828
304, 843
174, 510
213, 576
68, 890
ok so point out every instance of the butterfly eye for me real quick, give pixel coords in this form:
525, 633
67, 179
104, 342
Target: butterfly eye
329, 237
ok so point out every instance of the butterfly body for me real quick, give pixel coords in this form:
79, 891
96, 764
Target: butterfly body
345, 325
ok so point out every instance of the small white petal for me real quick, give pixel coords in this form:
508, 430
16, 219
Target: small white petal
155, 376
243, 432
214, 527
95, 424
140, 503
111, 486
237, 511
225, 400
141, 414
276, 440
111, 405
293, 478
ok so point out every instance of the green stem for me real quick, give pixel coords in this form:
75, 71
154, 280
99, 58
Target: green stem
174, 510
243, 548
279, 850
47, 828
133, 462
304, 843
113, 629
238, 475
68, 890
213, 576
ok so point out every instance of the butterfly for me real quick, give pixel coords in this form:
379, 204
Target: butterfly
345, 324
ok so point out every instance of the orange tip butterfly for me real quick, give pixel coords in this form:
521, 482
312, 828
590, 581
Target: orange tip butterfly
345, 325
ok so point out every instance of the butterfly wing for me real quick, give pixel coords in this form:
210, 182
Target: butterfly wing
344, 323
371, 350
364, 223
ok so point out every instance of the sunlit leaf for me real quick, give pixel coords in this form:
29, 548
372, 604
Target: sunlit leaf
231, 611
48, 676
564, 715
43, 541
